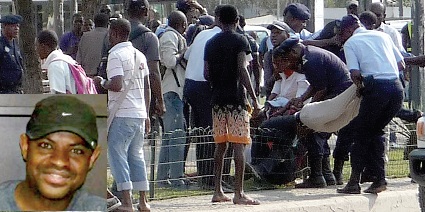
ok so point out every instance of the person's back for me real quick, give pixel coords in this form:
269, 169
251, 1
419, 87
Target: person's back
376, 43
222, 52
91, 45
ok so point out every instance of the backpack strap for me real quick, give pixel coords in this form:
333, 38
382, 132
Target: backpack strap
178, 46
139, 31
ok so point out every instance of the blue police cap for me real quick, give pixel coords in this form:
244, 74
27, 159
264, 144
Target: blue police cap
298, 11
206, 20
287, 45
348, 21
11, 19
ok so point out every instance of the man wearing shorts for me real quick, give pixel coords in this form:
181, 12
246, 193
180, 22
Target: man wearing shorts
225, 69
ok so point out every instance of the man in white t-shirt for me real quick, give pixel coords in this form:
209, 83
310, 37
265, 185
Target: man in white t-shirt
126, 64
56, 63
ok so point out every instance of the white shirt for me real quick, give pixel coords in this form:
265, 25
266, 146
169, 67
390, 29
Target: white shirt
121, 63
373, 53
170, 43
195, 54
58, 72
394, 34
288, 88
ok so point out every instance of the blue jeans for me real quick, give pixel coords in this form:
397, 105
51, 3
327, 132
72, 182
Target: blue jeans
125, 153
171, 155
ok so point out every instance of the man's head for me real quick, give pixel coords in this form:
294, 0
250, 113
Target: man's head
88, 25
188, 8
46, 42
78, 22
288, 55
177, 20
368, 20
228, 15
279, 32
119, 31
296, 16
59, 146
10, 26
379, 9
138, 9
349, 24
217, 14
106, 9
242, 22
352, 7
101, 20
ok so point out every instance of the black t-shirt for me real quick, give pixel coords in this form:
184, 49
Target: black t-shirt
324, 69
221, 53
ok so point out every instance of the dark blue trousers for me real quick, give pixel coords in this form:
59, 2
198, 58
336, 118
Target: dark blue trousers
382, 99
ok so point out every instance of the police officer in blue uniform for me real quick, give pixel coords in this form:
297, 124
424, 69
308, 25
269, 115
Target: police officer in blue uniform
11, 64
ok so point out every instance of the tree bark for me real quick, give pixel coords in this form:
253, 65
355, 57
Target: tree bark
89, 8
32, 73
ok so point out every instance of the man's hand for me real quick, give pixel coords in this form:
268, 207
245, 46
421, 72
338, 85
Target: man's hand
159, 109
147, 125
356, 77
97, 80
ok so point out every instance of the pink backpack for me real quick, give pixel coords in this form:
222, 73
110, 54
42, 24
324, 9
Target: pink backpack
83, 83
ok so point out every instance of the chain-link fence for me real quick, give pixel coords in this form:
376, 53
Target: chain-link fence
287, 155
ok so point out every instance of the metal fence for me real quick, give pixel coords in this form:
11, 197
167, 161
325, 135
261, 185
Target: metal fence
400, 137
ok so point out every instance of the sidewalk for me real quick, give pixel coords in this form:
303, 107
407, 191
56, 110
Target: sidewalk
401, 195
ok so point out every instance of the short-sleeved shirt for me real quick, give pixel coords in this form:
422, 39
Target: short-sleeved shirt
144, 40
82, 200
121, 63
69, 40
11, 65
324, 69
221, 53
58, 73
373, 53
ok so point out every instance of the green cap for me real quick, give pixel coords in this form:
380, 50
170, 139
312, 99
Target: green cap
63, 113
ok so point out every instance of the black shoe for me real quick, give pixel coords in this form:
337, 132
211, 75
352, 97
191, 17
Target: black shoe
377, 187
313, 182
364, 178
349, 189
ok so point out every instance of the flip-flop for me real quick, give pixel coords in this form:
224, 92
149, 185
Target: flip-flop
224, 199
140, 209
247, 202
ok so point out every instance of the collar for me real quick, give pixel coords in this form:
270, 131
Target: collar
360, 29
120, 45
53, 55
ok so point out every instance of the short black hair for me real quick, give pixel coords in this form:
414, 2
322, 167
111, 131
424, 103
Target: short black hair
228, 14
368, 17
48, 38
101, 20
121, 26
135, 8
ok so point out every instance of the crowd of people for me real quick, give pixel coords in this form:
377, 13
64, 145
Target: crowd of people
209, 64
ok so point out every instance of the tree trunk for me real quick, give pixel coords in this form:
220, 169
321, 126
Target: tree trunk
32, 74
89, 8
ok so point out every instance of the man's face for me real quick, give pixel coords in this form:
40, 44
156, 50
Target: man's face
277, 36
296, 24
380, 14
289, 61
10, 30
345, 34
78, 23
57, 165
41, 50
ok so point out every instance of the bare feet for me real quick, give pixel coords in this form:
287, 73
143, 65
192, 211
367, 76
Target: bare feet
220, 197
143, 208
245, 200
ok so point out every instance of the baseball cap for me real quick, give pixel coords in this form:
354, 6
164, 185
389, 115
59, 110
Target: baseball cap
63, 113
138, 4
298, 11
11, 19
182, 5
352, 3
287, 45
206, 20
349, 20
279, 25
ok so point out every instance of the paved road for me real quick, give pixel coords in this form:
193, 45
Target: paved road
400, 196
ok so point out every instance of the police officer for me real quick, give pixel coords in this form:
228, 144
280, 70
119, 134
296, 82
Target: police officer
11, 65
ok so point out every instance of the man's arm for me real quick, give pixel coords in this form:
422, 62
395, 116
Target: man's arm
256, 71
147, 95
245, 79
115, 84
418, 60
155, 81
